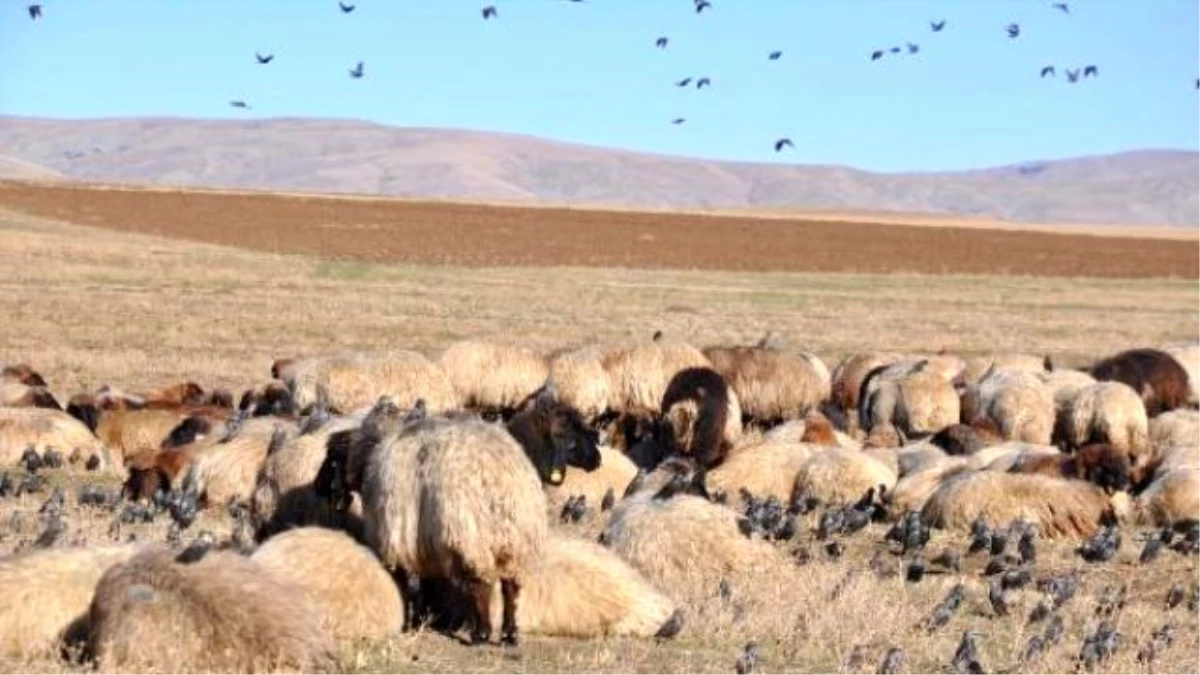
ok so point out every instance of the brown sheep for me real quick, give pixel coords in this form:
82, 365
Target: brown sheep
1155, 375
44, 429
771, 385
696, 408
22, 373
135, 436
344, 579
1096, 463
221, 613
46, 595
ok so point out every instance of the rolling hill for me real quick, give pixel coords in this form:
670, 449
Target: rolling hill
1147, 187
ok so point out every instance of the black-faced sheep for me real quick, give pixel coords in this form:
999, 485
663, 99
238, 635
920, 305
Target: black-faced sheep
1155, 375
490, 378
771, 385
344, 579
223, 612
553, 436
697, 409
452, 498
356, 381
46, 595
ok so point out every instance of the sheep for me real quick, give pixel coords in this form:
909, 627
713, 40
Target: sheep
1097, 463
46, 595
681, 541
22, 373
580, 381
223, 612
638, 375
1172, 497
1106, 412
451, 497
1063, 384
17, 395
45, 429
701, 414
771, 385
765, 469
283, 495
269, 398
1188, 356
1057, 507
494, 379
838, 476
227, 470
1175, 429
615, 473
636, 433
1155, 375
975, 368
134, 433
967, 439
553, 436
342, 578
355, 381
919, 403
848, 377
923, 478
1020, 404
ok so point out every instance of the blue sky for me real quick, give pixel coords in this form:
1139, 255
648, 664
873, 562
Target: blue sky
589, 72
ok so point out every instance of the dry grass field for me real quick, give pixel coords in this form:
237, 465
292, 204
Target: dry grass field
143, 291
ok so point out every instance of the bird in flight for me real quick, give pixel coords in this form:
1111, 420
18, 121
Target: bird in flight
346, 9
684, 82
1062, 6
357, 71
774, 56
937, 26
912, 48
1048, 70
1090, 71
489, 11
678, 120
239, 104
701, 4
894, 50
877, 54
782, 143
1013, 30
35, 11
703, 82
1072, 75
263, 59
661, 42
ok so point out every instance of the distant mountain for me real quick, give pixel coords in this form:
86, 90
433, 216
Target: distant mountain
1151, 187
12, 167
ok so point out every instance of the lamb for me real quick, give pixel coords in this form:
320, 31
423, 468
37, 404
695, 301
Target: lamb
701, 415
452, 498
46, 595
223, 612
44, 429
580, 381
920, 403
771, 385
838, 476
494, 379
1155, 375
344, 579
355, 381
1020, 404
1106, 412
1057, 507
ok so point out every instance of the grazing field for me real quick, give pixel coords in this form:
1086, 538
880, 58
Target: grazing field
142, 291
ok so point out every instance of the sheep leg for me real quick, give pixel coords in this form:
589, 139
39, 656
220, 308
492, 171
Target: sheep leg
509, 589
412, 597
481, 595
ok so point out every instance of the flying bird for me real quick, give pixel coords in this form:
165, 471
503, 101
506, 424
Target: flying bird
263, 59
684, 82
937, 26
678, 120
489, 11
912, 48
1062, 6
701, 5
774, 56
357, 71
346, 9
35, 11
1013, 30
895, 50
1090, 71
877, 54
1048, 70
1072, 75
239, 104
661, 42
703, 82
779, 144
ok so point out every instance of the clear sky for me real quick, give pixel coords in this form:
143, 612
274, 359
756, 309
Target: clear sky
589, 72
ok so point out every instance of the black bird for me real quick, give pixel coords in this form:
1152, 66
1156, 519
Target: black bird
609, 499
1039, 612
999, 542
8, 485
661, 42
357, 71
998, 598
239, 104
1062, 6
779, 145
1090, 71
35, 12
1033, 650
912, 47
894, 50
1072, 75
1102, 546
834, 549
946, 608
1013, 30
700, 6
937, 26
52, 459
1026, 546
1151, 550
684, 82
489, 11
774, 56
346, 9
966, 657
747, 660
574, 509
948, 558
1111, 600
1048, 70
263, 59
703, 82
31, 460
1060, 589
1054, 631
981, 536
893, 661
1175, 596
1015, 579
55, 528
678, 120
877, 54
916, 569
1100, 645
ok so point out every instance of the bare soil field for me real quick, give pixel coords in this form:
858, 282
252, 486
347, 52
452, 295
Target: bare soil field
118, 294
392, 231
